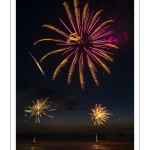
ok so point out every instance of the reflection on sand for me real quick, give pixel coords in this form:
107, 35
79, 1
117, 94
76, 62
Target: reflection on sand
93, 147
31, 148
74, 145
100, 147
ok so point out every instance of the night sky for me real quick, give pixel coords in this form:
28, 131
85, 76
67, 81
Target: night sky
116, 90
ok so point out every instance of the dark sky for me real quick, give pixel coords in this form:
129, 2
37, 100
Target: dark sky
116, 90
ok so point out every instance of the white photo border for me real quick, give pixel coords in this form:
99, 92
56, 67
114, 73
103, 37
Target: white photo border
13, 75
10, 11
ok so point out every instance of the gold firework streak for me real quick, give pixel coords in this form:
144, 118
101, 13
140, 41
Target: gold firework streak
48, 39
112, 45
53, 52
95, 16
76, 12
81, 71
37, 63
71, 18
62, 64
92, 70
76, 7
85, 11
101, 26
72, 68
55, 29
107, 56
103, 65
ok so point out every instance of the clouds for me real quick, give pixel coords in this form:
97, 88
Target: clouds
26, 93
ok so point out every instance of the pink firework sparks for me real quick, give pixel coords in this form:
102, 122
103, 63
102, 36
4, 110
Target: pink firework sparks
86, 41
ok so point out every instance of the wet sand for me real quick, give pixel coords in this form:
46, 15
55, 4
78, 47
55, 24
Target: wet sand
74, 145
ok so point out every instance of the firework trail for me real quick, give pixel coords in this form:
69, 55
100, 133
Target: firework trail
38, 109
87, 41
36, 62
99, 114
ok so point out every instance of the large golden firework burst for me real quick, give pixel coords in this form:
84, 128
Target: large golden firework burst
86, 41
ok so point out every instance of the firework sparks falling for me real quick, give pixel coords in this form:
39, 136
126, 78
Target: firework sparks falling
35, 62
99, 115
87, 41
38, 109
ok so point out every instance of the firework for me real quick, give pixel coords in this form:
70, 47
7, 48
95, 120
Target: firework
86, 41
38, 109
36, 62
99, 115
